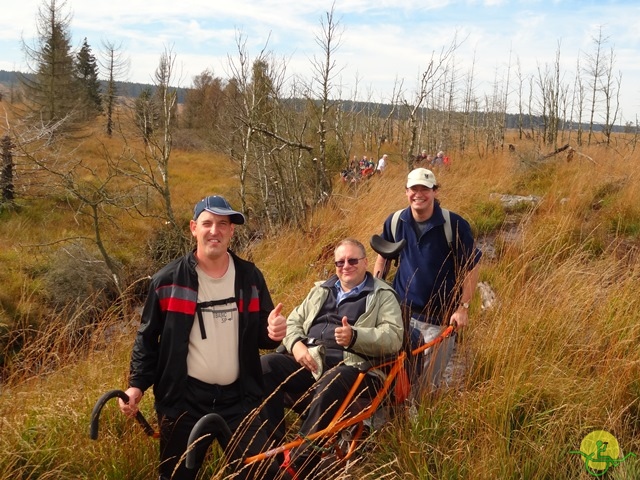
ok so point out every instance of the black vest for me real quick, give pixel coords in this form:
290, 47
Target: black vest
330, 315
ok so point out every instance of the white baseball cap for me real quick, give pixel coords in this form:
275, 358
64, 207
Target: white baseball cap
421, 176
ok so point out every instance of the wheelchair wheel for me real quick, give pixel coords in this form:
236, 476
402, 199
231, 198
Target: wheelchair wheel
349, 440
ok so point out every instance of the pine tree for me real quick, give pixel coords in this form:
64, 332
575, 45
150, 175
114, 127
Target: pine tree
87, 75
52, 91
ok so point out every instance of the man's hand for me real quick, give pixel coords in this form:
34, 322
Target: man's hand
301, 354
277, 324
344, 333
130, 409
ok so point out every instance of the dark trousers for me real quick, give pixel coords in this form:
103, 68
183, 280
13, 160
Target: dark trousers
282, 374
249, 437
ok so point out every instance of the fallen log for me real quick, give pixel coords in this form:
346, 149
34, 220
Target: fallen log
570, 154
556, 151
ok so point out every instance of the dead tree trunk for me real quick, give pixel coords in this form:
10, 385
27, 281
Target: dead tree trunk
6, 177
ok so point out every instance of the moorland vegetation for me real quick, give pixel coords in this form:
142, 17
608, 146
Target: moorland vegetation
552, 359
97, 193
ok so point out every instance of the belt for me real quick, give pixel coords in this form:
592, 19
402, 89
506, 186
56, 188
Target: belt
214, 388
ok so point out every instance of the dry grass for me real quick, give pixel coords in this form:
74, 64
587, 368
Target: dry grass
557, 358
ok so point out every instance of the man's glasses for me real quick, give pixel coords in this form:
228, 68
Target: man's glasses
350, 261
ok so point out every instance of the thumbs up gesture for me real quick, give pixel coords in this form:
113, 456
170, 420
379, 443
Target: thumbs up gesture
277, 324
344, 333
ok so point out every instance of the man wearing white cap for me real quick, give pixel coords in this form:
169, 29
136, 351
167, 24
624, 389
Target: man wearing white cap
436, 275
207, 315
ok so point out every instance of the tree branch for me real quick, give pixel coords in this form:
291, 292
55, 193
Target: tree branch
289, 143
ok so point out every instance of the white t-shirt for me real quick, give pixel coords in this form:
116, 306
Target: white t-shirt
382, 163
215, 359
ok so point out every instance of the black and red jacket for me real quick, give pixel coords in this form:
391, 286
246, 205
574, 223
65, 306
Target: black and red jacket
159, 356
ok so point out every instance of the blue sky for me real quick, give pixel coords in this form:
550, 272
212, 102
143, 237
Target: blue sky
382, 40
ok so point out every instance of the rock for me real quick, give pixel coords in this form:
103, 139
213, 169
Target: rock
511, 202
487, 295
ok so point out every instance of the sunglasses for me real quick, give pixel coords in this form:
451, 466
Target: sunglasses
350, 261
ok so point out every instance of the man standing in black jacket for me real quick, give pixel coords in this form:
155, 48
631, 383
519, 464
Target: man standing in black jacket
206, 316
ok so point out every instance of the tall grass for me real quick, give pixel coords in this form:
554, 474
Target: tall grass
556, 358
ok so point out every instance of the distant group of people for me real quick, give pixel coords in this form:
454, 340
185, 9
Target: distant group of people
427, 160
208, 314
363, 168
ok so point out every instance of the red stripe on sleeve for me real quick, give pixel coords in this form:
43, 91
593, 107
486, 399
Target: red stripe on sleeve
178, 305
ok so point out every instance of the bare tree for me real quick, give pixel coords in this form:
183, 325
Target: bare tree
146, 114
116, 66
448, 93
505, 105
347, 122
493, 119
543, 82
430, 79
93, 194
549, 82
611, 92
469, 109
149, 167
6, 176
532, 123
325, 71
577, 109
92, 199
520, 78
370, 119
384, 132
243, 102
267, 140
36, 138
595, 68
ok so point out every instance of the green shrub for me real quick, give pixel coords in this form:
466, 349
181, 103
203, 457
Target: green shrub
75, 275
487, 217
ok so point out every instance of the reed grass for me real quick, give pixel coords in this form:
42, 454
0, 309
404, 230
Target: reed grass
556, 357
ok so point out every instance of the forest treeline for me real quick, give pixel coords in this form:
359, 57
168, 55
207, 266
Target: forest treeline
10, 86
9, 79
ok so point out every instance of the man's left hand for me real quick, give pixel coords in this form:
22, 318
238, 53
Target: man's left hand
344, 333
277, 324
460, 318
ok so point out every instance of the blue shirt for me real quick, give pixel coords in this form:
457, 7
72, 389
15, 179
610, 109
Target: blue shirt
430, 272
354, 291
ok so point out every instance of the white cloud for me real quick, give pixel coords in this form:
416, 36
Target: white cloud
383, 39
